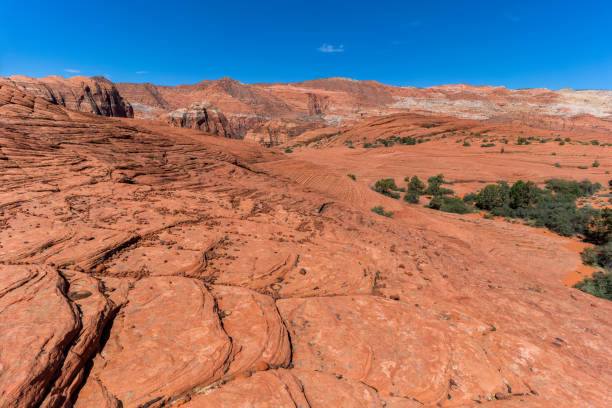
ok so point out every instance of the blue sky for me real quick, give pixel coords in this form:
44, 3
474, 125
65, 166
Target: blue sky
517, 44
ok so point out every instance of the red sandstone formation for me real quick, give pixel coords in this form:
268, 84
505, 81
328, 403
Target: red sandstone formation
342, 101
273, 114
92, 95
143, 265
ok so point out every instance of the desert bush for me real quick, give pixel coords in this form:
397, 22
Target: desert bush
600, 255
600, 227
380, 210
352, 176
387, 187
595, 163
467, 144
434, 186
288, 150
553, 207
415, 184
493, 196
600, 285
523, 194
576, 189
411, 197
449, 204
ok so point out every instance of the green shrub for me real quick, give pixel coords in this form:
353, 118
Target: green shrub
368, 145
493, 196
352, 176
467, 144
487, 145
387, 187
470, 198
288, 150
600, 255
557, 164
523, 194
595, 163
594, 142
582, 167
411, 197
554, 208
380, 210
449, 204
600, 285
600, 227
576, 189
415, 184
434, 186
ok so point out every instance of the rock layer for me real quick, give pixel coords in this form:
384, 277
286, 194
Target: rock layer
95, 95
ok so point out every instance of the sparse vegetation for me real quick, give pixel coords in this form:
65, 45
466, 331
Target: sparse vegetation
595, 163
600, 285
434, 186
352, 176
553, 207
411, 197
387, 187
288, 150
380, 210
449, 204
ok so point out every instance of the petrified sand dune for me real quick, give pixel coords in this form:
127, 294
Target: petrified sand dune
143, 265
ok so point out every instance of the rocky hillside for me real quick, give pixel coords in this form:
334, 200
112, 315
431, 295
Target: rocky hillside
273, 114
95, 95
341, 101
143, 265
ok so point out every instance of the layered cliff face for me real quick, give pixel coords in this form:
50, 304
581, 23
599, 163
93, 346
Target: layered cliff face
95, 95
202, 116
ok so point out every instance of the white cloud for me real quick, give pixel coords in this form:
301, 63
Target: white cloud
330, 48
72, 70
142, 72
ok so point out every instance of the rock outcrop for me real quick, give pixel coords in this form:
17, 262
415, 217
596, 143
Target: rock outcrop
95, 95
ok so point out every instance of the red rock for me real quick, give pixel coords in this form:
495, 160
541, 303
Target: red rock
91, 95
268, 389
37, 325
95, 311
165, 343
259, 337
